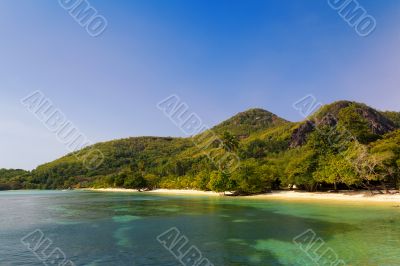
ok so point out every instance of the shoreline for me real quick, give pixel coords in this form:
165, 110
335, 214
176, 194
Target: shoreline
160, 190
351, 197
354, 196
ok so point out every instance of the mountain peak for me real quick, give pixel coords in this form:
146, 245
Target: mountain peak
249, 121
378, 121
335, 107
350, 112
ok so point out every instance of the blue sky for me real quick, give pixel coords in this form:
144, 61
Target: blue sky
220, 56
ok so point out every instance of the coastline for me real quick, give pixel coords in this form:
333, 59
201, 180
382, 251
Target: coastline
357, 196
160, 190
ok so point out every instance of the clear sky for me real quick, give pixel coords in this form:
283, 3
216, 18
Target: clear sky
220, 56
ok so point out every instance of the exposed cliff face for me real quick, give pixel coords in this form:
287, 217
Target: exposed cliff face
393, 116
332, 114
299, 136
379, 124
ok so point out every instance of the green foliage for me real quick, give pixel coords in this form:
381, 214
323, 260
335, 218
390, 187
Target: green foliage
394, 117
151, 181
249, 122
135, 181
13, 179
387, 153
230, 142
255, 149
348, 151
253, 177
202, 180
219, 181
300, 168
258, 148
335, 169
350, 119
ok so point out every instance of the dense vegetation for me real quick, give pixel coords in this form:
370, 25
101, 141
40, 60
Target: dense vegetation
343, 145
13, 179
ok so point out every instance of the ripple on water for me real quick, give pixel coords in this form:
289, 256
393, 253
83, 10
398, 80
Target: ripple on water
125, 218
286, 252
122, 237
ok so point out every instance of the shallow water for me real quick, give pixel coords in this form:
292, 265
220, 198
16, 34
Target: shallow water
98, 228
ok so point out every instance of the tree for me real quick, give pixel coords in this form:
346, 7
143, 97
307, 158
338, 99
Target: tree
350, 119
219, 181
229, 141
119, 180
251, 178
152, 181
135, 181
365, 164
269, 174
328, 144
255, 149
388, 152
201, 180
300, 168
128, 179
335, 169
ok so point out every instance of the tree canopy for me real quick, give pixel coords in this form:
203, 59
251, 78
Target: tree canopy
344, 145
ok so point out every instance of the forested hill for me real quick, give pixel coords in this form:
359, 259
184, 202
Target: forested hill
342, 145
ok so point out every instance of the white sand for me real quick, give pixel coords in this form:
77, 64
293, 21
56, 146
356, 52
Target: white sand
358, 196
111, 189
184, 191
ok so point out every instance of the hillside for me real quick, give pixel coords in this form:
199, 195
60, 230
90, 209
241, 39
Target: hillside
322, 152
12, 178
251, 121
362, 121
393, 116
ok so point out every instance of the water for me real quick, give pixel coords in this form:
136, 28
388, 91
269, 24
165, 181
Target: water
94, 228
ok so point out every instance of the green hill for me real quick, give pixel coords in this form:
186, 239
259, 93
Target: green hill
249, 122
362, 121
393, 116
12, 178
323, 152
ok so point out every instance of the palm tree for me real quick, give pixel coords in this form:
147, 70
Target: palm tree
229, 141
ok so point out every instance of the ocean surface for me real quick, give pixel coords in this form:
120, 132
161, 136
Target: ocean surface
100, 228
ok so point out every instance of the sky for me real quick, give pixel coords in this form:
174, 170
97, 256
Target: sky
220, 57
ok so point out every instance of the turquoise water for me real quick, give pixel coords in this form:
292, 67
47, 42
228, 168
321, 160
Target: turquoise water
94, 228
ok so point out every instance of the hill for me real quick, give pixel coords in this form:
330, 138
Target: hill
362, 121
345, 143
251, 121
12, 178
393, 116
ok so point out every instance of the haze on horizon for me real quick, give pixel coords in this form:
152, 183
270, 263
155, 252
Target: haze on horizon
220, 57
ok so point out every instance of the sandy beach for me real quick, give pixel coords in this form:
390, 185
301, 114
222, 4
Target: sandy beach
358, 196
110, 189
184, 191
